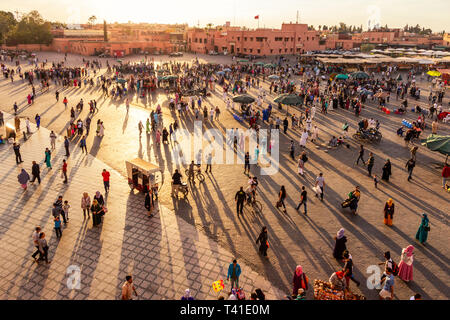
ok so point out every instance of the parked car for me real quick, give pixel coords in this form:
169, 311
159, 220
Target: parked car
176, 54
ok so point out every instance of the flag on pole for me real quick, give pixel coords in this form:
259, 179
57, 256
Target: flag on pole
257, 17
218, 285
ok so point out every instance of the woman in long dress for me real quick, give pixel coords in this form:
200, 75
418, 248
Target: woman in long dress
339, 246
158, 137
102, 130
48, 157
96, 210
422, 233
23, 178
300, 280
389, 208
301, 166
263, 240
386, 170
303, 138
405, 268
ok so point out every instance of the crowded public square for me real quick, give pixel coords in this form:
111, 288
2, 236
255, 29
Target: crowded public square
196, 175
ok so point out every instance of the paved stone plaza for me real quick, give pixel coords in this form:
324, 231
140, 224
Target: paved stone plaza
190, 243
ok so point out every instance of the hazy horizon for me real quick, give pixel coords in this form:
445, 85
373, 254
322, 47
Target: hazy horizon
394, 13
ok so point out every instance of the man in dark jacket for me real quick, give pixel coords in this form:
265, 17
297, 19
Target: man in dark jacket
16, 148
35, 172
66, 145
240, 198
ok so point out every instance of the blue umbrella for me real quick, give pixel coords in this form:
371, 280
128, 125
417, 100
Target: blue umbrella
220, 73
227, 70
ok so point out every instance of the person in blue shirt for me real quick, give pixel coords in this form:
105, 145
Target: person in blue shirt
387, 293
58, 227
234, 271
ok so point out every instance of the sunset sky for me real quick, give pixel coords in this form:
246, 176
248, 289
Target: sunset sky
395, 13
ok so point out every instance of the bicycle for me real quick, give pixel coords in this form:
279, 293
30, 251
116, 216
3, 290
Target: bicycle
255, 204
197, 173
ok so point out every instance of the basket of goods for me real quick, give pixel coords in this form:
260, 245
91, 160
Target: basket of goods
323, 291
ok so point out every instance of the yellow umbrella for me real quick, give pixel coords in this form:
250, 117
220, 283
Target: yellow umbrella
434, 73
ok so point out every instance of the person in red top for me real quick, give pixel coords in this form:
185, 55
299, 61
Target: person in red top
106, 175
64, 170
445, 174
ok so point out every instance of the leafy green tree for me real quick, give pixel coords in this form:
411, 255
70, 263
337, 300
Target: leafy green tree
31, 29
7, 22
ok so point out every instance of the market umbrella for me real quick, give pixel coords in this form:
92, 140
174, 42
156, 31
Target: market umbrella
269, 65
259, 63
341, 77
359, 75
244, 99
399, 77
242, 60
333, 75
438, 143
289, 99
121, 80
120, 61
170, 77
434, 73
426, 61
273, 77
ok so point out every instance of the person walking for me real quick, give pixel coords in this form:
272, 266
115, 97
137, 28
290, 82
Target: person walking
58, 231
410, 164
361, 155
303, 199
320, 184
387, 293
208, 162
234, 271
292, 150
240, 199
247, 163
424, 228
263, 240
106, 175
176, 183
405, 268
65, 101
43, 247
299, 281
87, 124
389, 208
35, 238
387, 170
64, 171
83, 144
53, 140
445, 175
370, 163
66, 146
339, 246
128, 289
281, 197
86, 204
348, 269
16, 148
149, 202
37, 118
23, 177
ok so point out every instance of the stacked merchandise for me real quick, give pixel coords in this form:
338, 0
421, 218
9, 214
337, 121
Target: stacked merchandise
323, 291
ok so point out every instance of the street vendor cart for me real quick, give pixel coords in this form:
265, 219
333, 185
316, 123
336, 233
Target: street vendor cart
143, 175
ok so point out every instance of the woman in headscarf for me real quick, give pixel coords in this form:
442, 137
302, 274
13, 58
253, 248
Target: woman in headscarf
389, 212
387, 171
98, 196
424, 228
23, 178
96, 210
339, 246
405, 268
187, 295
85, 204
300, 280
263, 240
48, 157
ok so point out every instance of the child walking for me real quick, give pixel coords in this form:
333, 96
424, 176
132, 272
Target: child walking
58, 227
66, 207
